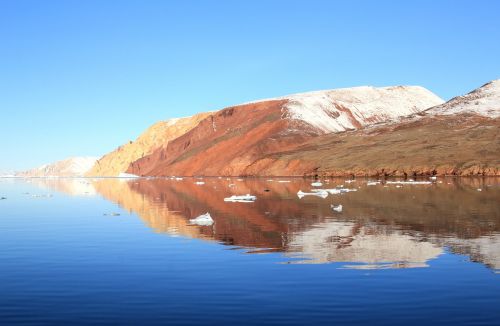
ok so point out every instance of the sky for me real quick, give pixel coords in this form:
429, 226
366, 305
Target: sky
81, 77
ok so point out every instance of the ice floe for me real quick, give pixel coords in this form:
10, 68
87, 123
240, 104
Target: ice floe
335, 191
204, 220
241, 199
337, 208
316, 184
411, 182
199, 183
127, 175
320, 193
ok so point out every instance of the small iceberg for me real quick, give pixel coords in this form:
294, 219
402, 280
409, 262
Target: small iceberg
321, 193
372, 183
199, 183
316, 184
411, 182
204, 219
334, 191
127, 175
337, 208
179, 179
433, 178
241, 199
284, 181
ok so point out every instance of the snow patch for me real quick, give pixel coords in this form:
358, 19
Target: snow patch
484, 101
350, 108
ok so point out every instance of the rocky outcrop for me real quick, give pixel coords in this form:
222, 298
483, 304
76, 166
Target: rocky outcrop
154, 137
231, 141
71, 167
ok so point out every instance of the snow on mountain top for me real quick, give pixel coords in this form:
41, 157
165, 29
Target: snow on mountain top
70, 167
350, 108
343, 109
484, 101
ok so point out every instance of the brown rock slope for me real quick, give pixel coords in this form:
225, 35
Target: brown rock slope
231, 141
154, 137
443, 145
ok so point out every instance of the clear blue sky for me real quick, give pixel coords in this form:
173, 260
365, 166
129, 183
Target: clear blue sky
83, 77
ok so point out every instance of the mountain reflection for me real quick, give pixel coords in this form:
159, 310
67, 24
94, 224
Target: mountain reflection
382, 226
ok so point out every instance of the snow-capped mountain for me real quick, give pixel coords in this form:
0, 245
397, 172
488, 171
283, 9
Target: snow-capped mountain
351, 108
70, 167
483, 101
228, 141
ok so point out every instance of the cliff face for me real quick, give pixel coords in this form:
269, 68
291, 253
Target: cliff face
71, 167
233, 140
154, 137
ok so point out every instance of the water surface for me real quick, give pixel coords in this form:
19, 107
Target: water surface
395, 254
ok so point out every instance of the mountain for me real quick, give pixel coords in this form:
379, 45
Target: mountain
459, 137
484, 101
71, 167
231, 141
154, 137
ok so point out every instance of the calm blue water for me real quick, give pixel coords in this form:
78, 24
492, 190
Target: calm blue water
419, 254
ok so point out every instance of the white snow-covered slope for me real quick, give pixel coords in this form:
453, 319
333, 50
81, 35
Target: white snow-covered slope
71, 167
352, 108
484, 101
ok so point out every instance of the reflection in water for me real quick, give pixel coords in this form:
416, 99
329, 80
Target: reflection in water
382, 226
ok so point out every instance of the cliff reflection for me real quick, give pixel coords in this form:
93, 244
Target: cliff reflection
381, 226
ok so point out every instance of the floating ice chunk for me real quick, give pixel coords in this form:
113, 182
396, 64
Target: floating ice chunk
179, 179
337, 208
479, 189
284, 181
433, 178
335, 191
204, 219
410, 182
316, 184
372, 183
127, 175
241, 199
199, 183
322, 193
399, 186
349, 181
